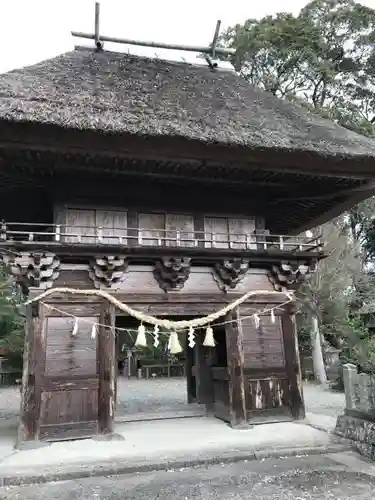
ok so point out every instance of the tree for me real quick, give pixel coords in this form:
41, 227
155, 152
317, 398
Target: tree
324, 58
11, 319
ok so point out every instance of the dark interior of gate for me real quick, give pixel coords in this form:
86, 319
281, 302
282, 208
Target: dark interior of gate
151, 382
75, 387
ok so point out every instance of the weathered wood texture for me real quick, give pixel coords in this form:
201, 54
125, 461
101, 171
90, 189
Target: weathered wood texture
293, 365
157, 229
64, 378
139, 279
86, 225
107, 363
266, 375
202, 362
33, 368
235, 356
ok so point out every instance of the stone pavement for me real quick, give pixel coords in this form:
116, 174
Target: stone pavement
320, 477
160, 444
153, 444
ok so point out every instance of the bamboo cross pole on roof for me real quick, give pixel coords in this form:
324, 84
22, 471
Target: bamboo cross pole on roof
212, 50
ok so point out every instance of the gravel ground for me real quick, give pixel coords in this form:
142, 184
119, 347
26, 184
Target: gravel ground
136, 396
296, 478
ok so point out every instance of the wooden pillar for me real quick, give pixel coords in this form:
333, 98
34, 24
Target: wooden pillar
107, 368
32, 377
190, 378
235, 356
204, 386
293, 365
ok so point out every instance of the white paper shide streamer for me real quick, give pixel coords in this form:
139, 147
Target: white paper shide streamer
156, 336
256, 320
209, 340
273, 318
191, 337
75, 328
175, 346
141, 336
93, 331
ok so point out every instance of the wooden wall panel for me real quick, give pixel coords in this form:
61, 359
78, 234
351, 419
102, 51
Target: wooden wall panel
255, 279
152, 226
138, 279
75, 278
263, 346
182, 223
69, 406
243, 228
81, 222
113, 224
219, 226
67, 355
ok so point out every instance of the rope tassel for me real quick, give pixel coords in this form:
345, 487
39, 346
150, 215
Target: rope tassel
141, 336
93, 331
75, 328
175, 346
273, 319
256, 321
209, 340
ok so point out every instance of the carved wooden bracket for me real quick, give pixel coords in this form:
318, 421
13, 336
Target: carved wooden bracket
290, 275
228, 273
34, 269
107, 270
171, 273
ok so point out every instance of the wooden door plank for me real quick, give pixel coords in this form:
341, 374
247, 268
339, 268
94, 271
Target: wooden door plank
33, 368
235, 352
107, 375
293, 367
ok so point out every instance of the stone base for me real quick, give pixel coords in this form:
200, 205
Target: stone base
361, 433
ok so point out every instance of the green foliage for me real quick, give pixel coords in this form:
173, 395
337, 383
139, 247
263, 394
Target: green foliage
11, 320
324, 58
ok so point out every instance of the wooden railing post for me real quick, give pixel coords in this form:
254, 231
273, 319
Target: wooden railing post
100, 235
350, 378
3, 231
57, 232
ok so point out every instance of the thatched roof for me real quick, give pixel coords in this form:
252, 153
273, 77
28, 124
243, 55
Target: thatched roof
124, 93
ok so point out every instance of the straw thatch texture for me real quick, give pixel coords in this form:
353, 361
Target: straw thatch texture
122, 93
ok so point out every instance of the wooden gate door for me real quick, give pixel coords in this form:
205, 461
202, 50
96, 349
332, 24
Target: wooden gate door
68, 381
271, 370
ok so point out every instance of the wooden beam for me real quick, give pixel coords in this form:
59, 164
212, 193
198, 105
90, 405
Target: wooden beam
293, 367
33, 370
106, 364
235, 356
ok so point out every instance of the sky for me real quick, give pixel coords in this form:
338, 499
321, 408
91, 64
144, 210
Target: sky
33, 30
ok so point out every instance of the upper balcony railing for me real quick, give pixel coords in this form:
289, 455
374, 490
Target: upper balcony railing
59, 234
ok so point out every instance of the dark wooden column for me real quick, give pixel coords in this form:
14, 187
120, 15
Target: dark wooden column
204, 386
107, 368
293, 366
33, 370
235, 355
